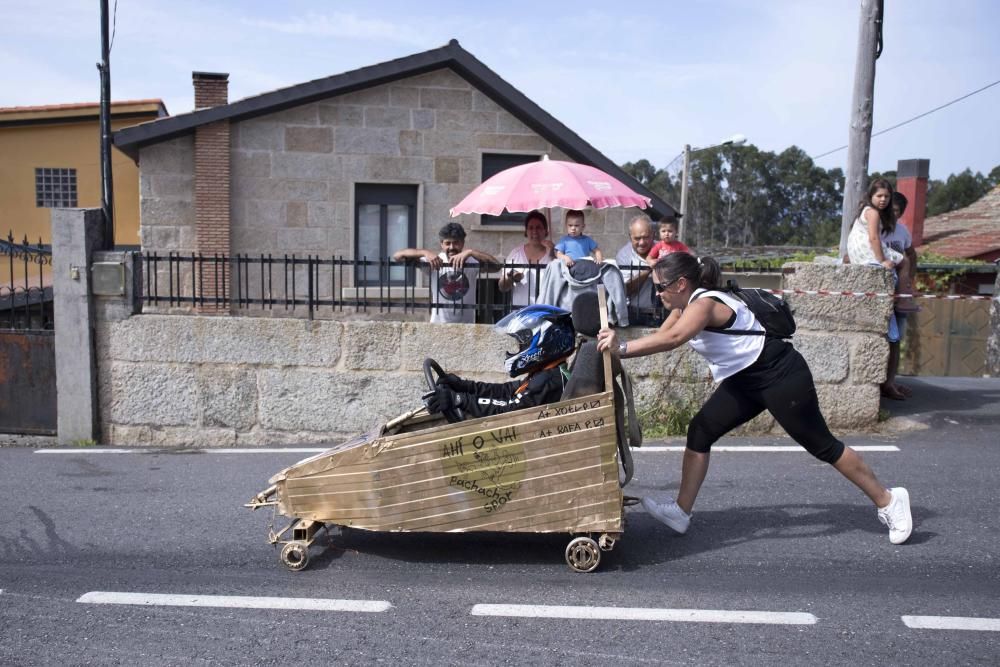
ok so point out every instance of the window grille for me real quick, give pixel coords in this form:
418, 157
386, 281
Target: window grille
55, 188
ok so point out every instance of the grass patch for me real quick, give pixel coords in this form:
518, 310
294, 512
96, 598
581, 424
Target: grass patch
669, 419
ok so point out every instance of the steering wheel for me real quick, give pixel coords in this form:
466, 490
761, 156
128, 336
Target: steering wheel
431, 368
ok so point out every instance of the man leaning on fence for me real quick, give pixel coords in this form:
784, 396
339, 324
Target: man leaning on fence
453, 271
631, 260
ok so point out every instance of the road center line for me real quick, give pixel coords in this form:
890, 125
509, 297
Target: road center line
763, 448
232, 601
317, 450
952, 623
644, 614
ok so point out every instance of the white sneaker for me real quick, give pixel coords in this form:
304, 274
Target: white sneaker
896, 515
668, 513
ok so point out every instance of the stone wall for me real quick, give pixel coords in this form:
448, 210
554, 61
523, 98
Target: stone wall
294, 172
225, 381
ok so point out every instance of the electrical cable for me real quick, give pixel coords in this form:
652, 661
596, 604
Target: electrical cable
878, 28
910, 120
114, 25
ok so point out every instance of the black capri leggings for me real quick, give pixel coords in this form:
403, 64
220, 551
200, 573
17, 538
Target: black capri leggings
779, 382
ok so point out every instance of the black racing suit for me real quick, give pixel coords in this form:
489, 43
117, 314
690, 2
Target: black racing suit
480, 399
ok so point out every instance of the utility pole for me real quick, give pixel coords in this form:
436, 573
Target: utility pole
107, 185
862, 103
684, 193
735, 140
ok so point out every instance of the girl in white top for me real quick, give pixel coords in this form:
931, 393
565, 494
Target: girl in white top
757, 373
866, 246
537, 249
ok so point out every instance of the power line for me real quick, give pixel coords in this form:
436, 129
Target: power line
114, 26
905, 122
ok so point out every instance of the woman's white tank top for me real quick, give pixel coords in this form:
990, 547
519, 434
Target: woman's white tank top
728, 354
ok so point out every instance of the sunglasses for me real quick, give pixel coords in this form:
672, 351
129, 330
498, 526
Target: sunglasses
662, 287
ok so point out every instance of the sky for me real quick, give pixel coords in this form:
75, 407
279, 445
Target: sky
635, 79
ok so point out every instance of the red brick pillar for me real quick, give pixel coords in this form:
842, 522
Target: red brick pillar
911, 182
211, 190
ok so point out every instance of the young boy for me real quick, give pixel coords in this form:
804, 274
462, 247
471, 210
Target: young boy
899, 240
668, 242
575, 244
455, 271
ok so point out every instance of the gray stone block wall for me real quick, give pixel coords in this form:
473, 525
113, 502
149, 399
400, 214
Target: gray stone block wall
166, 196
226, 381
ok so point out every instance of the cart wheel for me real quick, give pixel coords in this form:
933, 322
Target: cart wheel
583, 554
295, 556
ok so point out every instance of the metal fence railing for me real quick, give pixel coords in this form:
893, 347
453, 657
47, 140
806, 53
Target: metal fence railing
25, 285
325, 287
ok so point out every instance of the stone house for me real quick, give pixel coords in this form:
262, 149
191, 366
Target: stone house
354, 165
323, 168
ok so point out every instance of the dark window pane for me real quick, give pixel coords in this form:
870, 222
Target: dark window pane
494, 163
385, 221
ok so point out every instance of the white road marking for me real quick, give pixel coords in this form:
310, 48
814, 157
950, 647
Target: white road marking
272, 450
233, 601
763, 448
317, 450
87, 450
644, 614
952, 623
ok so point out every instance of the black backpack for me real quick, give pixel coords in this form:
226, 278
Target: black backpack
771, 311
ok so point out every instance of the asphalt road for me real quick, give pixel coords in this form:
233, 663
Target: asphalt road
773, 532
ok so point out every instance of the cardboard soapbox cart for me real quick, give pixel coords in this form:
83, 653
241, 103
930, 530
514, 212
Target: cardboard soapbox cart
556, 468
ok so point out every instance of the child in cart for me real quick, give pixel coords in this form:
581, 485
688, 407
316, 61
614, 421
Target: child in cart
545, 340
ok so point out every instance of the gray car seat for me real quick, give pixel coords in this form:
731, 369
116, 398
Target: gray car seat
587, 377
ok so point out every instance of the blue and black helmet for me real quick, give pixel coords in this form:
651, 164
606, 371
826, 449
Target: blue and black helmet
543, 333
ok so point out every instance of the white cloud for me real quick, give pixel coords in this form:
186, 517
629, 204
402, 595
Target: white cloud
339, 24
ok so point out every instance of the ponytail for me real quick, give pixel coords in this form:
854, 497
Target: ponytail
710, 274
701, 271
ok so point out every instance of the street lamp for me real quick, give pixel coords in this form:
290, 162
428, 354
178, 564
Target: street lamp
735, 140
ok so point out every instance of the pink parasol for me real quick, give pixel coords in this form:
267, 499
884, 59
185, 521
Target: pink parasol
545, 184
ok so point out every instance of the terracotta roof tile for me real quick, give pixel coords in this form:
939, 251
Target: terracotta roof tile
967, 232
75, 105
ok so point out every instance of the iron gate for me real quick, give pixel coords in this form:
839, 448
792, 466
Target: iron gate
27, 340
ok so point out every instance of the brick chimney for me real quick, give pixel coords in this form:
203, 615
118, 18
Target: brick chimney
911, 182
211, 182
210, 89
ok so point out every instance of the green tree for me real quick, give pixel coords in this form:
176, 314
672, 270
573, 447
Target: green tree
959, 190
994, 177
657, 180
741, 195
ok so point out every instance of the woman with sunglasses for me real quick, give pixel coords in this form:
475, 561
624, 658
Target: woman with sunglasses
756, 373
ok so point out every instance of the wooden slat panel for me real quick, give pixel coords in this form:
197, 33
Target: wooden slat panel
564, 473
549, 469
946, 338
428, 476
